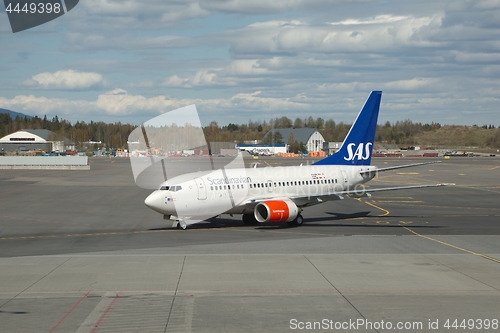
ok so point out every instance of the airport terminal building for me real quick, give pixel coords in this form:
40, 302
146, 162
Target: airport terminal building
35, 139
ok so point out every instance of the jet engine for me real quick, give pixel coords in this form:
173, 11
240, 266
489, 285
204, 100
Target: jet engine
276, 211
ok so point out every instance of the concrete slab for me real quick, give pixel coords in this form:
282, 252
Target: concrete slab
251, 274
79, 252
396, 274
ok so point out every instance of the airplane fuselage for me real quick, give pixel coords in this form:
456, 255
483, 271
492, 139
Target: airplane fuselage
232, 191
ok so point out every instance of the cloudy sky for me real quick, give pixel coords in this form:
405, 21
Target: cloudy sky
237, 60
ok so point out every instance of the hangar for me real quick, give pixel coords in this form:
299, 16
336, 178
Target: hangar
310, 137
35, 139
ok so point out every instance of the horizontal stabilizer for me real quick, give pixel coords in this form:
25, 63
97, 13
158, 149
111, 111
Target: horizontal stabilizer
398, 167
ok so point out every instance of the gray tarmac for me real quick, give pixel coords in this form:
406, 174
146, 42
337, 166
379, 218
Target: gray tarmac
79, 252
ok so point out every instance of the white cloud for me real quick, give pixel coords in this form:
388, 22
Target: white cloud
337, 102
382, 34
115, 18
75, 42
267, 7
119, 102
154, 12
65, 80
236, 72
412, 84
376, 20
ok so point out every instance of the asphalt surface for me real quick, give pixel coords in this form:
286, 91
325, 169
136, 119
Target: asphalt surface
80, 252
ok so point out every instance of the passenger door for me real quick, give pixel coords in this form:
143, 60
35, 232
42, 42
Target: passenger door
202, 190
345, 180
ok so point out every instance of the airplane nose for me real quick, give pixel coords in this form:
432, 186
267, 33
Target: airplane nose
157, 202
150, 200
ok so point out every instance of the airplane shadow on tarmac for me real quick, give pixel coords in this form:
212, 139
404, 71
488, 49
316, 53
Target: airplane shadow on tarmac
221, 222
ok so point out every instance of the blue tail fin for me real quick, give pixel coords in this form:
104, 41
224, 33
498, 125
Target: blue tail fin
358, 144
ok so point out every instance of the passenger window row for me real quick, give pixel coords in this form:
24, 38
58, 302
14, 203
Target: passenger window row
295, 183
227, 187
258, 185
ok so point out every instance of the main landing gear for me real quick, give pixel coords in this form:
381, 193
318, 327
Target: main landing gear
298, 221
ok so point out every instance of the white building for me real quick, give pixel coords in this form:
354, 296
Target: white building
35, 139
310, 137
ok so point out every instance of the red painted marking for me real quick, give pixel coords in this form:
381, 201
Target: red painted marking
68, 313
104, 314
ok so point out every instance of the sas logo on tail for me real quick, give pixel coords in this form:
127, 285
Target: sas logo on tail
358, 154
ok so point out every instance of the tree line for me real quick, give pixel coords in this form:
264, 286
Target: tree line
111, 135
402, 133
115, 135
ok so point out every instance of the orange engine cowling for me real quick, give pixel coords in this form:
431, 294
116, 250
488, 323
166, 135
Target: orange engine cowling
276, 211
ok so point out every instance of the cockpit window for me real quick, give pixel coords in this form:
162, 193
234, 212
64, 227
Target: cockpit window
170, 188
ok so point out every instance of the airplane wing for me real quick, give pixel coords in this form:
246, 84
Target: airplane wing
367, 192
310, 200
398, 167
359, 193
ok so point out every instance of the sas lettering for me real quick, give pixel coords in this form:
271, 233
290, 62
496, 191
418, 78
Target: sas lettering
358, 154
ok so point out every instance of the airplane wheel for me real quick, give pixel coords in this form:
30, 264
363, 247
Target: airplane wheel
298, 221
182, 226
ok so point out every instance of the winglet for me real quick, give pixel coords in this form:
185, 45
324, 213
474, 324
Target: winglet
358, 144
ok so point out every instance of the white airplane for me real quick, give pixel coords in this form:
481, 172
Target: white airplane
278, 194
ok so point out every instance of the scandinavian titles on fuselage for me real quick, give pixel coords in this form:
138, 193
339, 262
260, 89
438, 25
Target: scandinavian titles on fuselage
228, 180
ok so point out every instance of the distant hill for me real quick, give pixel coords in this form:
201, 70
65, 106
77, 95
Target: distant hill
456, 135
14, 114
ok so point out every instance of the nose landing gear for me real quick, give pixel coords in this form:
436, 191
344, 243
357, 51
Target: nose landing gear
179, 223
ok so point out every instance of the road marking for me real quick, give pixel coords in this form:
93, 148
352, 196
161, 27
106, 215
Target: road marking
392, 197
106, 312
495, 167
408, 173
108, 233
453, 207
386, 212
69, 312
81, 235
406, 201
453, 246
94, 319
